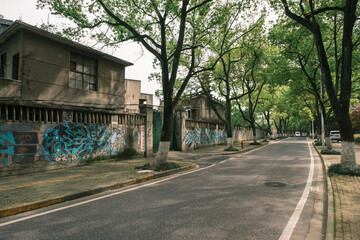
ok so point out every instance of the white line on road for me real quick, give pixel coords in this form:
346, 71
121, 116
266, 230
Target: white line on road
224, 161
289, 229
103, 197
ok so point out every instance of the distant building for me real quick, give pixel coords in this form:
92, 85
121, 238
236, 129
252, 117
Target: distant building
134, 98
199, 109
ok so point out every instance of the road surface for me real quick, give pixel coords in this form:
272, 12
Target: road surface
242, 196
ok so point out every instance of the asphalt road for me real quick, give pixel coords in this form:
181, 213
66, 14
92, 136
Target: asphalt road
251, 196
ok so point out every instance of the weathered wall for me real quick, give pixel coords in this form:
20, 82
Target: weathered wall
200, 133
28, 144
45, 75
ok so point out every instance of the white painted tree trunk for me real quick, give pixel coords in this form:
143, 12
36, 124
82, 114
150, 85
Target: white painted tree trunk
348, 157
162, 154
230, 143
328, 143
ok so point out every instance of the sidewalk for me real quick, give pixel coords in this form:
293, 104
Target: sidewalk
344, 196
21, 193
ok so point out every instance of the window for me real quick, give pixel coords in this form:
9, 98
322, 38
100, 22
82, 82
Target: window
15, 67
83, 72
3, 66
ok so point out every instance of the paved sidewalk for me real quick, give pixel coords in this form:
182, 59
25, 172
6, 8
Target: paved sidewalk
345, 198
20, 193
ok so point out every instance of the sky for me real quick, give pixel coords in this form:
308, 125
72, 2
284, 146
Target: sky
142, 60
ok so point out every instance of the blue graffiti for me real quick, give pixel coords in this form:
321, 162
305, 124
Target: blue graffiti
70, 142
202, 136
6, 151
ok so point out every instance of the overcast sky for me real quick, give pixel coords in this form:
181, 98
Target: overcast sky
142, 68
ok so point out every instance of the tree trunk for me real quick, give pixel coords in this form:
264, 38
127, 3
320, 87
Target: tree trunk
162, 154
230, 140
253, 127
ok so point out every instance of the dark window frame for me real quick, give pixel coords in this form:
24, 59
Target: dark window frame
83, 72
3, 60
15, 66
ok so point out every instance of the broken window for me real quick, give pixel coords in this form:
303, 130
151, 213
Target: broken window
83, 72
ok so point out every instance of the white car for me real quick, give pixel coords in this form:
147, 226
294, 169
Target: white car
297, 134
335, 135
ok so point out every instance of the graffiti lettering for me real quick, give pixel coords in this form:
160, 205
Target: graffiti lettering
71, 142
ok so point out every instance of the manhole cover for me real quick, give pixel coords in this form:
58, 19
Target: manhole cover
274, 184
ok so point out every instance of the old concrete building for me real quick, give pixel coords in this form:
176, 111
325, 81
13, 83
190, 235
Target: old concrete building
199, 109
134, 98
62, 102
43, 68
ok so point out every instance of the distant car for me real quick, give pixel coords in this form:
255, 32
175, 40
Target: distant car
335, 135
297, 134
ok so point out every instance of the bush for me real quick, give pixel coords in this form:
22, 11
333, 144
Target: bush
340, 170
126, 153
146, 166
265, 141
166, 166
330, 152
357, 139
255, 143
318, 143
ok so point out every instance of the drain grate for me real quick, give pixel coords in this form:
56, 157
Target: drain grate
274, 184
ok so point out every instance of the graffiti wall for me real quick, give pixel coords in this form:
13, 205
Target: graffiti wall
72, 142
64, 142
17, 147
203, 136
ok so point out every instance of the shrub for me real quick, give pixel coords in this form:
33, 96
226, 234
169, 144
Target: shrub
318, 143
166, 166
330, 152
340, 170
357, 139
265, 141
255, 143
126, 153
146, 166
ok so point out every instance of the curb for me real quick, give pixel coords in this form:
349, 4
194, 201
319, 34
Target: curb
46, 203
330, 200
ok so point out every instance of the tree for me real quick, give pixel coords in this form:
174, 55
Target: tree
171, 30
314, 17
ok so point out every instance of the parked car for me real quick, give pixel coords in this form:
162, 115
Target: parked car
335, 135
297, 134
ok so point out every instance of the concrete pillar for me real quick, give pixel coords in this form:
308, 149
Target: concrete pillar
148, 110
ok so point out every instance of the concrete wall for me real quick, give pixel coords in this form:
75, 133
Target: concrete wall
37, 144
11, 48
193, 134
132, 95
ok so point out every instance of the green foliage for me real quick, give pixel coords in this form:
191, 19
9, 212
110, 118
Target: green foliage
330, 152
166, 166
146, 166
357, 139
255, 143
340, 170
126, 153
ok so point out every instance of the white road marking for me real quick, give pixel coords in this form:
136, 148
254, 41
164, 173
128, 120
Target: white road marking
289, 229
224, 161
102, 197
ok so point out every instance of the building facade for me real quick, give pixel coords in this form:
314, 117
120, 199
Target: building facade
62, 102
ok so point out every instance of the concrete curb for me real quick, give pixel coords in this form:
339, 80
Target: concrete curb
46, 203
330, 200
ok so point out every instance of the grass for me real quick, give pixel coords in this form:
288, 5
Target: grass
162, 167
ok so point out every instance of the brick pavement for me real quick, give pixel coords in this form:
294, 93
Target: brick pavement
346, 197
